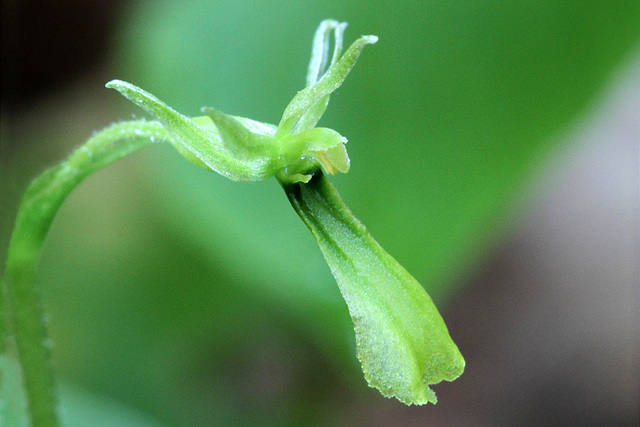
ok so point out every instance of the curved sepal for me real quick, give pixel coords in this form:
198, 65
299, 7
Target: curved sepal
301, 113
196, 143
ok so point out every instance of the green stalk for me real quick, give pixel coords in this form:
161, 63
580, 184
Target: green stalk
21, 320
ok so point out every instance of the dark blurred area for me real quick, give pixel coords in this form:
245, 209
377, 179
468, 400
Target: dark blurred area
544, 302
47, 44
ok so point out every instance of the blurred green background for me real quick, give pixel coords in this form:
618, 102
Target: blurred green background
193, 300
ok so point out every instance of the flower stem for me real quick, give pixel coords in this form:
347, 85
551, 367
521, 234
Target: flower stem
22, 323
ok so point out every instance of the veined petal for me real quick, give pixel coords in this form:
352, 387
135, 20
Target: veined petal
401, 339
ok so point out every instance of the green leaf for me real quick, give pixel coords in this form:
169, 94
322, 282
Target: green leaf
402, 341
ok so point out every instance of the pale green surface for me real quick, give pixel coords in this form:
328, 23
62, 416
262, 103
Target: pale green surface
80, 408
13, 411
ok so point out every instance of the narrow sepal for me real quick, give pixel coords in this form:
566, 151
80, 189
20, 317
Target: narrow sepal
320, 49
300, 114
193, 140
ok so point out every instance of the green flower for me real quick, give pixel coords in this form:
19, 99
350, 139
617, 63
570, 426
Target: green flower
246, 150
402, 341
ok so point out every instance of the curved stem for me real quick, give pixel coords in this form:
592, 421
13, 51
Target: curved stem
21, 314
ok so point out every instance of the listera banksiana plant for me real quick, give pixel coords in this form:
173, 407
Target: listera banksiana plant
401, 339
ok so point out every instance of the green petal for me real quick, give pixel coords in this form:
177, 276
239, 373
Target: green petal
402, 341
300, 114
337, 157
316, 139
320, 49
318, 68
